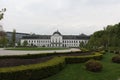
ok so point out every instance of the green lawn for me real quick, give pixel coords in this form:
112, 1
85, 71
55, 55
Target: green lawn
111, 71
36, 48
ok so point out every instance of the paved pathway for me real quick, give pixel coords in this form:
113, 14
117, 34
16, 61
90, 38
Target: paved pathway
17, 52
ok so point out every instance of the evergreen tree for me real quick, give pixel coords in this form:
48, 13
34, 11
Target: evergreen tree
109, 37
25, 43
13, 37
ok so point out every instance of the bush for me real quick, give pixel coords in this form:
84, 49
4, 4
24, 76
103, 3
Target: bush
93, 65
116, 52
116, 59
81, 59
102, 52
84, 50
34, 71
42, 70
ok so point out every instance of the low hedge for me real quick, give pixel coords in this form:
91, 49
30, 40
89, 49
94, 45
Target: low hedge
42, 70
84, 50
33, 72
81, 59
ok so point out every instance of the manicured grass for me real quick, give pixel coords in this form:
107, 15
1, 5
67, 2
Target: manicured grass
111, 71
35, 48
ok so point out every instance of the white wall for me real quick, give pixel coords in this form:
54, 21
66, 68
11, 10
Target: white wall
55, 41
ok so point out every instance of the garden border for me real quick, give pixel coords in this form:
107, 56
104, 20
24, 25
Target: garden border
43, 70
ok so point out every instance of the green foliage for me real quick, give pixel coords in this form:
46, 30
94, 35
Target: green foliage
3, 41
35, 48
81, 59
110, 71
84, 50
19, 44
2, 13
102, 52
13, 37
82, 44
109, 37
25, 43
116, 59
33, 72
39, 71
93, 65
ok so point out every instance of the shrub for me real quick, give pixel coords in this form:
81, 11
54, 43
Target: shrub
116, 59
34, 71
81, 59
116, 52
41, 70
84, 50
111, 51
93, 65
102, 52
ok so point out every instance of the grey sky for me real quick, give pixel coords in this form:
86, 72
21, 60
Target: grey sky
68, 16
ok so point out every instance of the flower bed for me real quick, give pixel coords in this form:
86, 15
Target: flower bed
42, 70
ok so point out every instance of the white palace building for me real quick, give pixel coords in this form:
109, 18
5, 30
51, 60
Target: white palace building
55, 40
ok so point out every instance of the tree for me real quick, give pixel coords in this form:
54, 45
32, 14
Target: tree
82, 44
2, 13
25, 43
3, 41
19, 44
109, 37
13, 37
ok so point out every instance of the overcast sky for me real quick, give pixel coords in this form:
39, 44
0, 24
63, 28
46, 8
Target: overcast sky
68, 16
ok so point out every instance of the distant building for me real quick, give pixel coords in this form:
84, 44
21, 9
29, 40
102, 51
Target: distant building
55, 40
18, 36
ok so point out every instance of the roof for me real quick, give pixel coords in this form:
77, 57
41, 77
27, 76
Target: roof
48, 37
57, 32
37, 37
18, 33
75, 37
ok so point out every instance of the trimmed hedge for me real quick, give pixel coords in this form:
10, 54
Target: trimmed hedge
81, 59
84, 50
33, 72
42, 70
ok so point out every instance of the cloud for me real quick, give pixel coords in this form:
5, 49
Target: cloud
70, 16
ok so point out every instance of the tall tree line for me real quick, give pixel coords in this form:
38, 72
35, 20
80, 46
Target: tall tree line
109, 37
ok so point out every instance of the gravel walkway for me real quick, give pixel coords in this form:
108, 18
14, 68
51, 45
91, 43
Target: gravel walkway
17, 52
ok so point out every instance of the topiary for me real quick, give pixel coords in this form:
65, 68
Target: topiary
93, 65
116, 59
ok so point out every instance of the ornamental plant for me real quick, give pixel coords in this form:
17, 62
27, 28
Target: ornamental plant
116, 59
93, 65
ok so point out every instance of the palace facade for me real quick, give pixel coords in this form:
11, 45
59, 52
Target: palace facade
55, 40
